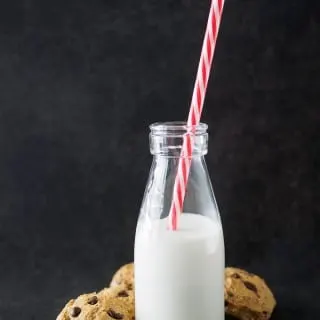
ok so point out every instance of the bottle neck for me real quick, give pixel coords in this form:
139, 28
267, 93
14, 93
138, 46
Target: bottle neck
160, 188
166, 139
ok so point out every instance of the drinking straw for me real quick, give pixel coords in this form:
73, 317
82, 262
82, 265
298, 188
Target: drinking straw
198, 97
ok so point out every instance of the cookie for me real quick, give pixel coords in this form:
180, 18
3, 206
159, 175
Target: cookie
124, 277
247, 296
96, 306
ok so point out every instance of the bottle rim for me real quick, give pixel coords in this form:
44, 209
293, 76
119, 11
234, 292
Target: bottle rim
177, 128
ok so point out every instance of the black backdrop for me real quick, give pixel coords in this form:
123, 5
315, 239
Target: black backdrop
79, 83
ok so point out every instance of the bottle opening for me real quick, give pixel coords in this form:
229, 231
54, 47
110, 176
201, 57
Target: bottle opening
166, 138
177, 128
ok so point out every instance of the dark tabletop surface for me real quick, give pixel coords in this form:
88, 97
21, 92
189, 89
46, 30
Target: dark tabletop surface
79, 83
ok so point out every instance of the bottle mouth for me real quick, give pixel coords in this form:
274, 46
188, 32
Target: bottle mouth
177, 128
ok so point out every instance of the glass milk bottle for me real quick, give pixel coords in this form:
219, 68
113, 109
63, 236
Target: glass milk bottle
179, 275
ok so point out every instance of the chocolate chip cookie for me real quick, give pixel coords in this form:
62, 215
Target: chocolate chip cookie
247, 296
96, 306
124, 277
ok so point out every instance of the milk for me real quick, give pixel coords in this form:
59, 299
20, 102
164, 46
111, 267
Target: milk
179, 275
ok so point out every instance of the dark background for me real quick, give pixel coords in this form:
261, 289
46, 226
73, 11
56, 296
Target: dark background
79, 83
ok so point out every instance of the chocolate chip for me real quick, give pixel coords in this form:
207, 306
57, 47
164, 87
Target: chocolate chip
114, 315
123, 293
226, 303
230, 294
130, 286
250, 286
93, 300
75, 311
236, 276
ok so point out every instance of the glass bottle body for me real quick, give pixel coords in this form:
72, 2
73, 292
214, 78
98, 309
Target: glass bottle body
179, 275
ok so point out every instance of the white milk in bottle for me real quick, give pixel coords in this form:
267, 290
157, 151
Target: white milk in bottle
179, 275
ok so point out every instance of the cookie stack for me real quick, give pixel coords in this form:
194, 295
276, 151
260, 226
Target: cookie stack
247, 297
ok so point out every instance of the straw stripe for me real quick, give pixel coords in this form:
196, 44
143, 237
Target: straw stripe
182, 178
214, 20
206, 58
184, 170
196, 107
204, 72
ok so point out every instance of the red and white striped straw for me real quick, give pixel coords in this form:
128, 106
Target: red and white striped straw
208, 48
